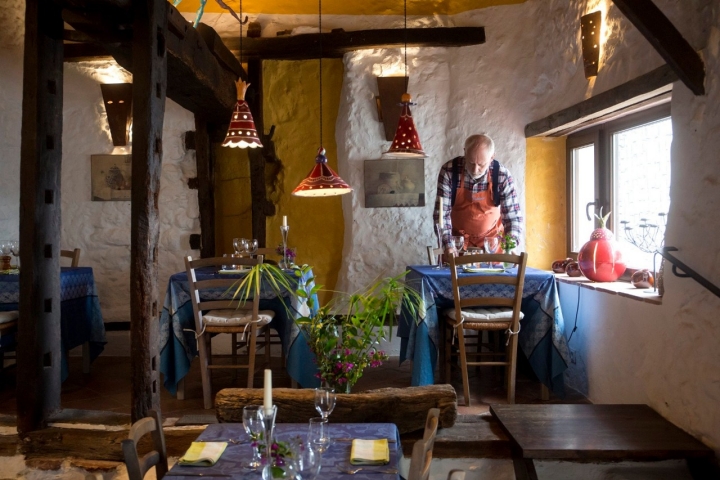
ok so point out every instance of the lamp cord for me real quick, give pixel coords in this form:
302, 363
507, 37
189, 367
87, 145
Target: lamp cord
320, 70
405, 32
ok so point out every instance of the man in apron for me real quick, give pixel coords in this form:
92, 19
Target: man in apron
477, 196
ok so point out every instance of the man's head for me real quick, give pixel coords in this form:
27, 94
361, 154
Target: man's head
479, 152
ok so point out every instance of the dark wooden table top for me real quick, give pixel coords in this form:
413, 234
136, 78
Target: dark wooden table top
595, 432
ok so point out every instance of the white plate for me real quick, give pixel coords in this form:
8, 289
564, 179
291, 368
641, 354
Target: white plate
230, 272
469, 269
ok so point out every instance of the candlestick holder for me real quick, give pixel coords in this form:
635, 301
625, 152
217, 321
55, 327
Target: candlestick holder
269, 429
284, 232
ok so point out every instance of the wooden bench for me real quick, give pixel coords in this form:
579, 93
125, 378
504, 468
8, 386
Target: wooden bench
589, 433
405, 407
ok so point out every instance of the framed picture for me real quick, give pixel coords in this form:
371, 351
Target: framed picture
395, 183
111, 177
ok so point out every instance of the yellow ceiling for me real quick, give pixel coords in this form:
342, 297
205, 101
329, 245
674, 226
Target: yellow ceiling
345, 7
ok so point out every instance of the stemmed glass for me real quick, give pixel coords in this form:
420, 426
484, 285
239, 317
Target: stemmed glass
240, 245
15, 250
252, 246
458, 241
492, 244
318, 434
5, 252
254, 427
324, 401
306, 459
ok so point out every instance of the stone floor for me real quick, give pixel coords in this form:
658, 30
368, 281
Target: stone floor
107, 387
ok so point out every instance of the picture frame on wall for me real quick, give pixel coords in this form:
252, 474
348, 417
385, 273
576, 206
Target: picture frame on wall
396, 182
111, 177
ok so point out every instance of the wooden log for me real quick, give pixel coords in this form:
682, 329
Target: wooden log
38, 351
405, 407
338, 43
667, 40
206, 187
149, 88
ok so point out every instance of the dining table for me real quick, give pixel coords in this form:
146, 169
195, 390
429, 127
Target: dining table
541, 338
178, 347
233, 462
81, 321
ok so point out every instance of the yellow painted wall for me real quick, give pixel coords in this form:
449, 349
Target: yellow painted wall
343, 7
545, 201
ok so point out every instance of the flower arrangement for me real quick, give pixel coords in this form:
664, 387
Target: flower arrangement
345, 334
290, 253
508, 242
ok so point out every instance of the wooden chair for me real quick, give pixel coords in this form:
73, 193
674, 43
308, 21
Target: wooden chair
8, 335
433, 254
422, 450
484, 313
74, 255
265, 252
226, 316
137, 467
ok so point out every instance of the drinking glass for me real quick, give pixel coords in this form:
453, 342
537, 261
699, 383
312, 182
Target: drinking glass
492, 245
306, 459
324, 401
458, 241
318, 434
252, 246
240, 245
15, 250
254, 427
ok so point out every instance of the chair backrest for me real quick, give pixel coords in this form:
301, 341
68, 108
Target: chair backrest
138, 466
433, 254
422, 450
265, 252
74, 255
225, 284
465, 300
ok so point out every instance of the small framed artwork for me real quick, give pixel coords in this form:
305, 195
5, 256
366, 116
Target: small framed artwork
111, 177
395, 183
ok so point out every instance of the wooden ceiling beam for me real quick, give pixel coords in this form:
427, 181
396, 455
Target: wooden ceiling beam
667, 40
337, 43
85, 52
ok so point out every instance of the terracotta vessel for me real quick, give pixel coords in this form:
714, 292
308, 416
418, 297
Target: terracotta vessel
642, 279
559, 266
600, 259
573, 269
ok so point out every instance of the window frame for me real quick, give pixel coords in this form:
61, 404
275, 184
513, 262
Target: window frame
602, 136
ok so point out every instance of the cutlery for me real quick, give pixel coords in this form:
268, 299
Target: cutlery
354, 470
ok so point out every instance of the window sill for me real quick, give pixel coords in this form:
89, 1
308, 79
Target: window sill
623, 289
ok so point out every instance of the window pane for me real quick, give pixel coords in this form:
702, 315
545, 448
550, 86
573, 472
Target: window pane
583, 192
641, 157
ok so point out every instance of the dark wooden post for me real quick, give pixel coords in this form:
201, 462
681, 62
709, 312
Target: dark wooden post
206, 186
149, 55
38, 364
258, 190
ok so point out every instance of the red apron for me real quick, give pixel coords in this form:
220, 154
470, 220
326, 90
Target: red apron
475, 216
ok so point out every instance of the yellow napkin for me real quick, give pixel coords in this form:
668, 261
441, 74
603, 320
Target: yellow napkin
370, 452
203, 454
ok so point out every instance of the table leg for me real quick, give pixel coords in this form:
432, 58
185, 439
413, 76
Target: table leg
86, 357
524, 469
544, 392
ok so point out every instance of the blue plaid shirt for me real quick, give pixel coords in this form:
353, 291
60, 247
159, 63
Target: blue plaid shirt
510, 212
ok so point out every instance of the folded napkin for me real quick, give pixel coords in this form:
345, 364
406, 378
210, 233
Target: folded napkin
203, 454
370, 452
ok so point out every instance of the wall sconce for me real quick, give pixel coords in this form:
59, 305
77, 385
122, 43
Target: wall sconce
118, 105
590, 32
390, 90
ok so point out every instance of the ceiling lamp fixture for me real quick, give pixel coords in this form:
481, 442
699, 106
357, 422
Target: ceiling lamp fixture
406, 143
242, 132
322, 181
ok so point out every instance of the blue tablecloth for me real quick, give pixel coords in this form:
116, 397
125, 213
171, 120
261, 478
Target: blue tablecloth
178, 346
541, 338
80, 316
236, 456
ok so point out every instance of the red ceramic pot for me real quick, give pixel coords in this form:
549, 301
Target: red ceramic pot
600, 259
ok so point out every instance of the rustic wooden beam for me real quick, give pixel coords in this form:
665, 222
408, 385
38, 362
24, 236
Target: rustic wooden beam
338, 43
206, 187
221, 52
39, 351
197, 80
85, 52
150, 67
667, 40
258, 189
654, 83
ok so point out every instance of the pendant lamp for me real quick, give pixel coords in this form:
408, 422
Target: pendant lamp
242, 132
322, 181
406, 143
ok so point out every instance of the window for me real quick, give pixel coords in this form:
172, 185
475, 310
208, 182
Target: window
622, 166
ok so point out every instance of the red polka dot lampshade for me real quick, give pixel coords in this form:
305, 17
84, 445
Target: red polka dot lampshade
242, 132
322, 180
406, 142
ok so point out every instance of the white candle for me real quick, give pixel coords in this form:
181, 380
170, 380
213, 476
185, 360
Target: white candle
284, 221
441, 220
267, 397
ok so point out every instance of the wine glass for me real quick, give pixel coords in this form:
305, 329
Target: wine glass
240, 245
324, 401
318, 434
15, 250
306, 459
252, 246
254, 427
458, 241
492, 245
